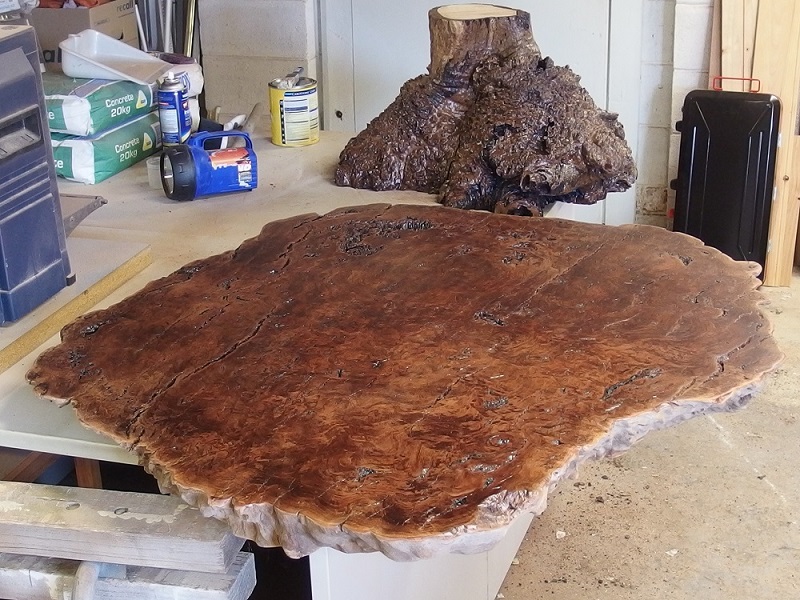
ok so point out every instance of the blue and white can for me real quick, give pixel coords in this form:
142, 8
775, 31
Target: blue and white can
173, 110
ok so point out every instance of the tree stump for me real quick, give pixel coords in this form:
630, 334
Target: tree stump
493, 126
409, 379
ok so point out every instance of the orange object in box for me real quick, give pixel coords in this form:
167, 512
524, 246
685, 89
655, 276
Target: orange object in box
60, 3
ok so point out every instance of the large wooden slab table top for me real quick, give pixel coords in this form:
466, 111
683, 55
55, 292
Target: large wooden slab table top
408, 379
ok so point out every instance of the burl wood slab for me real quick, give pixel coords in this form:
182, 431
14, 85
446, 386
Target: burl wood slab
409, 379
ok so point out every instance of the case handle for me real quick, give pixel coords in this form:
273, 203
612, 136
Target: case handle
200, 138
716, 83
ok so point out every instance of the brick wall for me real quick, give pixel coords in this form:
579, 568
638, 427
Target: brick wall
676, 41
248, 43
654, 111
692, 44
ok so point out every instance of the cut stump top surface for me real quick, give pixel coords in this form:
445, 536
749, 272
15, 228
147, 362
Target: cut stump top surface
406, 378
461, 12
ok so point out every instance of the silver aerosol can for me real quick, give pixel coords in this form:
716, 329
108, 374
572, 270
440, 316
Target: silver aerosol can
173, 110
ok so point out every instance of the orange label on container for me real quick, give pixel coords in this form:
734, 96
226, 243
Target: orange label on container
228, 157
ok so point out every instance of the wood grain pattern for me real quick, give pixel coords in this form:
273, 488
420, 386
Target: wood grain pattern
463, 37
87, 473
31, 467
777, 64
749, 29
715, 52
738, 25
732, 43
409, 379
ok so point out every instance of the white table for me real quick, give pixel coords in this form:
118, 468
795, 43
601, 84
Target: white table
291, 181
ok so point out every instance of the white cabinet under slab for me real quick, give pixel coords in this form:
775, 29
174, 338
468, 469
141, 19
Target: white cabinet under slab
339, 576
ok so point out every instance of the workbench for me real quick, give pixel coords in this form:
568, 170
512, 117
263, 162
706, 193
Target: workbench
292, 181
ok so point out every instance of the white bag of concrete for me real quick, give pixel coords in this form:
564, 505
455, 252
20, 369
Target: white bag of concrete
92, 159
88, 106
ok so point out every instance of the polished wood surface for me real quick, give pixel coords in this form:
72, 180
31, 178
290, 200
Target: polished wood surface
410, 378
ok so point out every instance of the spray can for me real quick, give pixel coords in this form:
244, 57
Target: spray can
294, 106
173, 110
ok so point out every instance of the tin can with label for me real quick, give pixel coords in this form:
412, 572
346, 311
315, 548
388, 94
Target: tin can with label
294, 106
173, 110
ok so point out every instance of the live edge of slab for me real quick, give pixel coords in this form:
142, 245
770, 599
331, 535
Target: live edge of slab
409, 379
100, 266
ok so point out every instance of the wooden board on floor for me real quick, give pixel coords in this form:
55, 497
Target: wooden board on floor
777, 65
738, 20
749, 28
732, 26
117, 527
100, 267
715, 53
34, 578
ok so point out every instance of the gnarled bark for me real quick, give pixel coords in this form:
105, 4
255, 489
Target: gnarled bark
493, 126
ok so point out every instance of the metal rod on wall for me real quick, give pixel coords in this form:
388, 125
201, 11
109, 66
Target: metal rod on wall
149, 13
143, 45
188, 40
168, 10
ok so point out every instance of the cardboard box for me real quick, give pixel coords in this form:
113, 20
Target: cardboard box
116, 19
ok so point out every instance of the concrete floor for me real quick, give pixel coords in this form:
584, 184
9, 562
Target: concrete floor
709, 509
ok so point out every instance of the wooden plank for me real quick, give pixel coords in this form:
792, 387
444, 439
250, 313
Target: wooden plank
797, 249
35, 578
87, 473
30, 467
105, 526
749, 24
101, 267
715, 54
738, 19
776, 64
217, 430
732, 43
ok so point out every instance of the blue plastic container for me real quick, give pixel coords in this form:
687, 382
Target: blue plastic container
33, 255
